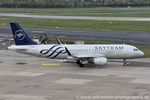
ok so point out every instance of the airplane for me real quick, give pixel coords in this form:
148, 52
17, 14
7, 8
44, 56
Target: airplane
81, 53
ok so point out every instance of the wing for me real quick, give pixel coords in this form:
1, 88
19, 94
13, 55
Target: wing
97, 59
88, 55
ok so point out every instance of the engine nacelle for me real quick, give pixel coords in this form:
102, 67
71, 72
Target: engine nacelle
100, 61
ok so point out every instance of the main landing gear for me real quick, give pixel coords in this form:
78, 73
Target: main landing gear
79, 63
124, 62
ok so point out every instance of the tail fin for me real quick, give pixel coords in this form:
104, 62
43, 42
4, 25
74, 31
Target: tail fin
20, 37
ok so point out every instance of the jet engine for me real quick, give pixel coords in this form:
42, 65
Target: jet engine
98, 61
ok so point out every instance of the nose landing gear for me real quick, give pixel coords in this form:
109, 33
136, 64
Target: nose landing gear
124, 62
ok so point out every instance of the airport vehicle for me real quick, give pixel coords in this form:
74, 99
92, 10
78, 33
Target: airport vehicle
83, 54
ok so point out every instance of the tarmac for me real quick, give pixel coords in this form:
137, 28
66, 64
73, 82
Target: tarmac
26, 77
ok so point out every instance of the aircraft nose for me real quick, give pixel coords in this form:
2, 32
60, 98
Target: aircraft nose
141, 53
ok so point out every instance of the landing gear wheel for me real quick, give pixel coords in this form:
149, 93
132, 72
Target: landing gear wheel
124, 62
79, 63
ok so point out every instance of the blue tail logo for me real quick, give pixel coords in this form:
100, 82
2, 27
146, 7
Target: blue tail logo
20, 36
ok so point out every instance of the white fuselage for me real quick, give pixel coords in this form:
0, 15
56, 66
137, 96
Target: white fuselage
114, 51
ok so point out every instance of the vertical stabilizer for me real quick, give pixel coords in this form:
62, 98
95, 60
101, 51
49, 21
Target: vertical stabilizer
20, 37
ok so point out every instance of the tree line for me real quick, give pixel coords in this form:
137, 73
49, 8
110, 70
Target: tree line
72, 3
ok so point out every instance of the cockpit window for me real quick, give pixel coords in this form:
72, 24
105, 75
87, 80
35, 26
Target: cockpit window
135, 49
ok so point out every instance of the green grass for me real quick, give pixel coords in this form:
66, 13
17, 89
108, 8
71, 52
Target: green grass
86, 25
105, 12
